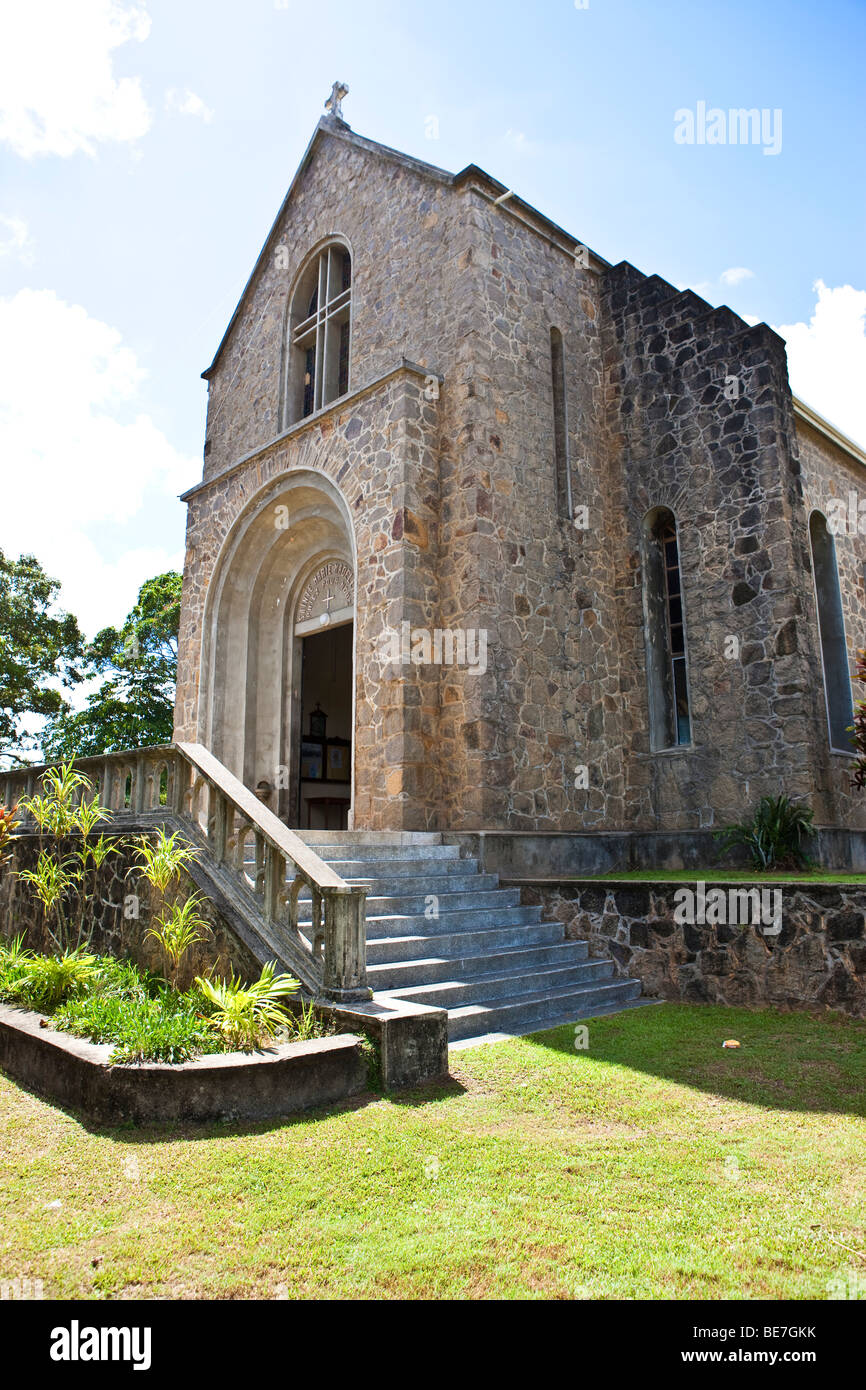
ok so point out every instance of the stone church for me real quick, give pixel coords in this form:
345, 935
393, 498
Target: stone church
495, 535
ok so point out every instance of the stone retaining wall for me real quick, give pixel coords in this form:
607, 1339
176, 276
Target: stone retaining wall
124, 906
817, 959
223, 1086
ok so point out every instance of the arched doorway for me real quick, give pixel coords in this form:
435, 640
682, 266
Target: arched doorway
279, 643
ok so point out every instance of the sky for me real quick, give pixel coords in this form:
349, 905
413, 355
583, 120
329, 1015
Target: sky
146, 147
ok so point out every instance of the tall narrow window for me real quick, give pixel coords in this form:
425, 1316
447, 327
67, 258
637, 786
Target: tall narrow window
665, 632
560, 425
831, 629
319, 329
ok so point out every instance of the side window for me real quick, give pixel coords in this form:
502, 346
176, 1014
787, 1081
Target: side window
560, 426
831, 630
319, 332
665, 632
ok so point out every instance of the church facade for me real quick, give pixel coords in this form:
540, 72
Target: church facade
494, 534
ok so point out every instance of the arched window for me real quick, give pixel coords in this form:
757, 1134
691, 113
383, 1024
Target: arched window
560, 425
319, 327
831, 629
665, 632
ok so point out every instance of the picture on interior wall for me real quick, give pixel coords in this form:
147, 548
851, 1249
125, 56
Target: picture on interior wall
338, 759
312, 760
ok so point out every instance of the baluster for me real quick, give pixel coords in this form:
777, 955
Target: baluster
259, 882
241, 849
294, 894
210, 813
182, 786
317, 932
275, 880
219, 825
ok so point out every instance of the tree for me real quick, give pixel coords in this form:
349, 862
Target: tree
134, 705
40, 652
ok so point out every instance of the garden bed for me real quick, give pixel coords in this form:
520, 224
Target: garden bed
277, 1080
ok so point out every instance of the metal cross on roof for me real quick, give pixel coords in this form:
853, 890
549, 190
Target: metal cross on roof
334, 104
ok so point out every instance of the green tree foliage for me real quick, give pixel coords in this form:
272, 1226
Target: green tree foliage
40, 652
134, 705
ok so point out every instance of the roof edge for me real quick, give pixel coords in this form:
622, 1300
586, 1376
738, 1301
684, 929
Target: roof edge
330, 126
824, 426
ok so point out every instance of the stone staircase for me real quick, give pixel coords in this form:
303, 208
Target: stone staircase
439, 932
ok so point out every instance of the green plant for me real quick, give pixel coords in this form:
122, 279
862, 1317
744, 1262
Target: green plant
54, 809
65, 875
163, 858
45, 982
8, 823
371, 1051
14, 960
177, 929
774, 835
246, 1015
13, 953
304, 1023
165, 1027
52, 879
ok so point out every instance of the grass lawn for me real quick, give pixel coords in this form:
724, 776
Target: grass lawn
655, 1164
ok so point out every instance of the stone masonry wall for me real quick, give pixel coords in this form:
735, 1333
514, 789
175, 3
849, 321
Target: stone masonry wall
118, 882
829, 473
379, 450
727, 469
456, 524
511, 564
818, 960
404, 230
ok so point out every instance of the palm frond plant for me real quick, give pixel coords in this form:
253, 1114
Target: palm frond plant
45, 982
247, 1015
774, 835
64, 878
177, 928
163, 858
53, 880
14, 961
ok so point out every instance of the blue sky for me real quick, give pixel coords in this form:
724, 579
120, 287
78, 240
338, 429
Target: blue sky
145, 148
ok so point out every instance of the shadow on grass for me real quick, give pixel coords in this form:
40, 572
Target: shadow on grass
169, 1131
786, 1061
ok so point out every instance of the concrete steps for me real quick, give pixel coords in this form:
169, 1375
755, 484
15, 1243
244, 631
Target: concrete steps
440, 932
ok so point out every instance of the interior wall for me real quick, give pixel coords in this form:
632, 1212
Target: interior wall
327, 682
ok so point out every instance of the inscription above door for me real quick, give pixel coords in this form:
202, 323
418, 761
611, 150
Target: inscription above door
328, 596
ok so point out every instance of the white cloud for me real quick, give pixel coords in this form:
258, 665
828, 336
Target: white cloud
58, 92
187, 104
517, 141
81, 458
15, 240
736, 275
827, 357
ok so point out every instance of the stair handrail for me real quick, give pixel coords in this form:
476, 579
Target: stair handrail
170, 779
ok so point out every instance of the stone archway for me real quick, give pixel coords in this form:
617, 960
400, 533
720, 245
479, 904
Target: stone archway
270, 589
